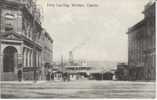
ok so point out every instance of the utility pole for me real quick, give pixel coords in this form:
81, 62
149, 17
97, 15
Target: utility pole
62, 62
62, 65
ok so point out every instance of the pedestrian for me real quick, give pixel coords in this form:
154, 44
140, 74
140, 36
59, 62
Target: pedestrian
19, 74
48, 76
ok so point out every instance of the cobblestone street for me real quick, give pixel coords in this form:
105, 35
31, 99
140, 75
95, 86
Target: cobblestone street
78, 89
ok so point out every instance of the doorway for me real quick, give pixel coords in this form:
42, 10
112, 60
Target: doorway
9, 59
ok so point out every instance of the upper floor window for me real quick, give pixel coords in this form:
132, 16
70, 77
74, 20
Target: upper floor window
9, 22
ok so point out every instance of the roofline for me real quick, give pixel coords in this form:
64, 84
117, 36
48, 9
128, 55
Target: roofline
138, 25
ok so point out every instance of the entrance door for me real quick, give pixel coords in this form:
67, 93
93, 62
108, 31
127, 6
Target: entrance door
9, 59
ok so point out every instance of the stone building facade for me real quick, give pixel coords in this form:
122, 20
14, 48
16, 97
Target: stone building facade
47, 53
142, 49
22, 41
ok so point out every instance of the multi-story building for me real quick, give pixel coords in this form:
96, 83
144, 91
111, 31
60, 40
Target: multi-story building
141, 50
47, 53
22, 41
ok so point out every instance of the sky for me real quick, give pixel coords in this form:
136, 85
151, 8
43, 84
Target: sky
93, 33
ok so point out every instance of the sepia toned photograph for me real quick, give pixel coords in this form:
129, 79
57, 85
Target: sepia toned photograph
78, 49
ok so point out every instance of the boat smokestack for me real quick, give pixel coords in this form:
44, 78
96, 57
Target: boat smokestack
71, 59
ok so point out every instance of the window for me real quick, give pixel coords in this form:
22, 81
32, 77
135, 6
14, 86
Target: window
9, 22
7, 29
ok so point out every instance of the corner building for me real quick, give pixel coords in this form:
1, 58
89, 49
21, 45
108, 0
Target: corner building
142, 48
21, 41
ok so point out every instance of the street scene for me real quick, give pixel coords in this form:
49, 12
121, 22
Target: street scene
85, 49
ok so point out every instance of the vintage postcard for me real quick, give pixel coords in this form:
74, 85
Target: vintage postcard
78, 49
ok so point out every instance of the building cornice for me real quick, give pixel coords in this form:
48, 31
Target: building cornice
137, 26
21, 38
